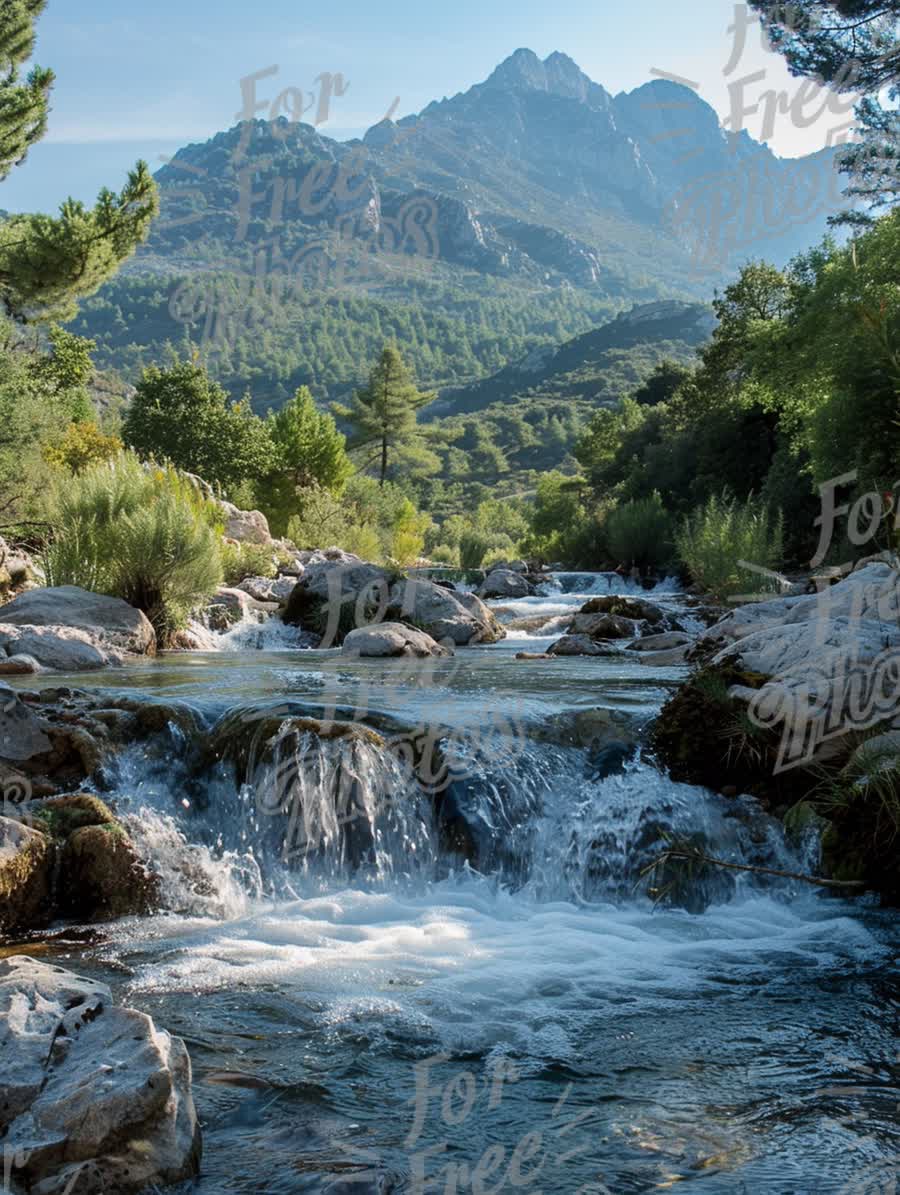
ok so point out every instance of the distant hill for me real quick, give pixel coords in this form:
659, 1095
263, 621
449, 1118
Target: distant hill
496, 436
596, 368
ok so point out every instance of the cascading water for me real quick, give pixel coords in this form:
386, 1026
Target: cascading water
470, 988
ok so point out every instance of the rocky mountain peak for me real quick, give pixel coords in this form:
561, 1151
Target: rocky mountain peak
558, 75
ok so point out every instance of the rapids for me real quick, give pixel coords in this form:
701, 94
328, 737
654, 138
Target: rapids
368, 1010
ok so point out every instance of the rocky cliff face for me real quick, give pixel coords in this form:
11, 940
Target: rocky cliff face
538, 173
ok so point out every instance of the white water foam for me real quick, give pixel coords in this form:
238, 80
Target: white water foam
475, 967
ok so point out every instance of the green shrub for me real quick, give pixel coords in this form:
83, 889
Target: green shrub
141, 533
445, 554
473, 547
720, 542
501, 555
241, 560
640, 533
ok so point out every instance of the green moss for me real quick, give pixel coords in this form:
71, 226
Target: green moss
64, 815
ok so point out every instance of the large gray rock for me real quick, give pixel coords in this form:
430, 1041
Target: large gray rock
461, 618
829, 663
92, 1097
337, 596
61, 649
111, 624
392, 639
246, 526
666, 641
505, 583
869, 595
23, 735
267, 589
581, 645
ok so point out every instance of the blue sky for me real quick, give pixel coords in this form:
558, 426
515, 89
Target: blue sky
143, 84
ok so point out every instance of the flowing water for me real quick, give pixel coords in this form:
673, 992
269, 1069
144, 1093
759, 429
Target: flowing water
368, 1009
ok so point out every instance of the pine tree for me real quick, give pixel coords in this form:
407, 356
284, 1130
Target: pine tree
383, 414
47, 263
309, 451
853, 47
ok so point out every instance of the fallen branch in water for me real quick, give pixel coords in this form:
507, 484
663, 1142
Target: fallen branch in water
686, 852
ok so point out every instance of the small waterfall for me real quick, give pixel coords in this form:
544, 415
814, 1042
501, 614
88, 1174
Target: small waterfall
254, 632
338, 806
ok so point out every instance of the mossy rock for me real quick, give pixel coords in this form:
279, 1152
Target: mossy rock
62, 816
26, 875
101, 876
803, 818
704, 737
242, 735
852, 849
624, 607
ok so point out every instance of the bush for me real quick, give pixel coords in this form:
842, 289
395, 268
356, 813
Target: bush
241, 560
141, 533
640, 533
445, 554
473, 547
498, 556
721, 540
82, 445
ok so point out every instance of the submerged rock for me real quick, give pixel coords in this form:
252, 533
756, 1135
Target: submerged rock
93, 1097
581, 645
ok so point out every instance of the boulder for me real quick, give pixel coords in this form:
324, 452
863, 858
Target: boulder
392, 639
266, 589
59, 648
603, 626
246, 526
93, 1097
18, 665
101, 876
581, 645
505, 583
637, 609
26, 870
111, 624
337, 596
461, 618
667, 641
226, 608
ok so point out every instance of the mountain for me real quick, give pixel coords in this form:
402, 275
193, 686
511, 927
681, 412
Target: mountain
536, 173
495, 223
